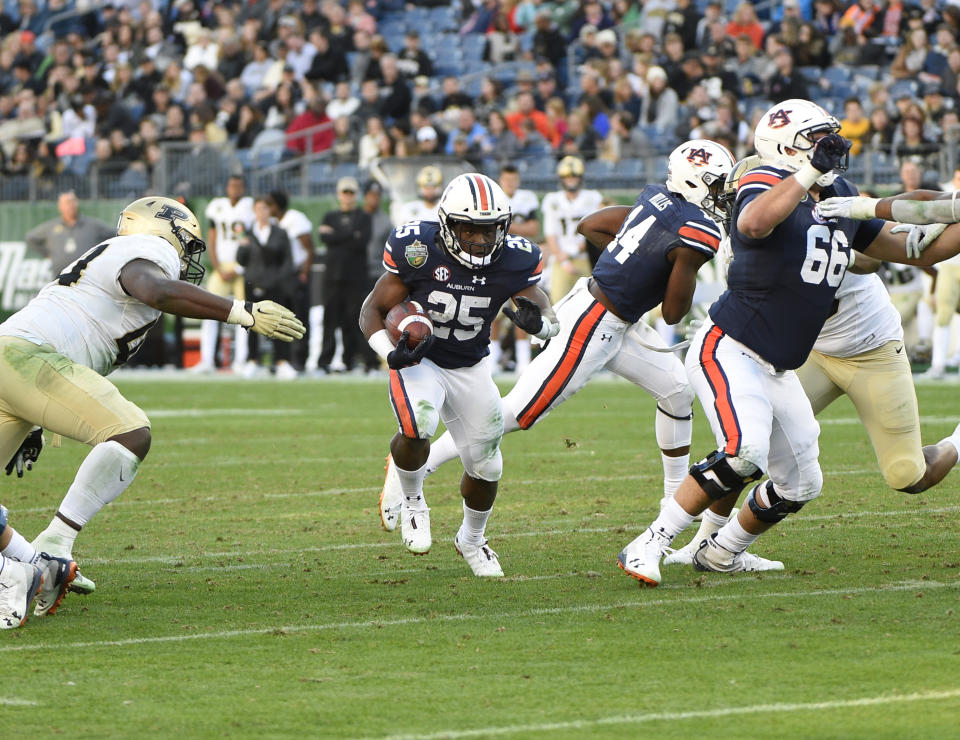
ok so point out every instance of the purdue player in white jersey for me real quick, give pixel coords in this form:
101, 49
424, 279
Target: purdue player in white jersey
562, 211
230, 217
424, 208
55, 352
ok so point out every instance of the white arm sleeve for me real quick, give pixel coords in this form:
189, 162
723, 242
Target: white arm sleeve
926, 211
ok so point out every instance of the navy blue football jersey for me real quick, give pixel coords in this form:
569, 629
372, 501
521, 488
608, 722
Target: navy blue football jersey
462, 303
633, 270
780, 289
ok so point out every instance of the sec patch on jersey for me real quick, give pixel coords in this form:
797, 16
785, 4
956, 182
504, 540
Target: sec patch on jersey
408, 316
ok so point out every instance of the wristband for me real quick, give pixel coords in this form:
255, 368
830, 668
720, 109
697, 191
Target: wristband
548, 329
239, 314
808, 175
863, 209
851, 258
380, 343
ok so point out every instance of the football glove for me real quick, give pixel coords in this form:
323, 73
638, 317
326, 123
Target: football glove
403, 356
856, 207
529, 318
267, 318
829, 152
918, 237
27, 454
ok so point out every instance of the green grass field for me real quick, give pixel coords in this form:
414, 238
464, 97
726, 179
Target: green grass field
245, 588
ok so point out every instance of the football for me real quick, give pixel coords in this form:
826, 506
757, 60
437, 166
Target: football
408, 316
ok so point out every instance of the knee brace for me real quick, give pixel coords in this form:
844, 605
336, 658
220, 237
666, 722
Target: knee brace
673, 430
718, 478
776, 508
3, 518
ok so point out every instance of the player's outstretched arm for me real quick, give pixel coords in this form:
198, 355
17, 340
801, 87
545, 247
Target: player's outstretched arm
682, 283
889, 246
915, 207
601, 226
146, 282
388, 292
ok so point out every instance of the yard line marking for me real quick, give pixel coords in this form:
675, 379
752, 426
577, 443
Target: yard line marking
845, 420
523, 614
626, 529
632, 719
12, 702
192, 413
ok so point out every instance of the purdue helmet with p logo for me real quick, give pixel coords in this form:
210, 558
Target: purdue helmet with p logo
174, 223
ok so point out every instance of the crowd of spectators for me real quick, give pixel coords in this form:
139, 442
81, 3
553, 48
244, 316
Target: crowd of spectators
602, 80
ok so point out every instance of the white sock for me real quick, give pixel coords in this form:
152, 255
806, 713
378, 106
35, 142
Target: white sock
474, 523
442, 450
734, 537
672, 520
208, 341
941, 346
708, 525
411, 483
674, 471
954, 439
496, 353
522, 352
240, 351
20, 549
104, 474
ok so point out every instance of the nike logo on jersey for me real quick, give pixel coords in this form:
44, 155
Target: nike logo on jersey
899, 349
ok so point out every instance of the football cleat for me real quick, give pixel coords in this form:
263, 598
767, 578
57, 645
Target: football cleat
58, 574
415, 529
713, 557
18, 585
56, 547
391, 497
641, 558
482, 560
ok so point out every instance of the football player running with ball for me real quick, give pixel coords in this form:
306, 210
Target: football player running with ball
57, 350
787, 264
651, 254
461, 269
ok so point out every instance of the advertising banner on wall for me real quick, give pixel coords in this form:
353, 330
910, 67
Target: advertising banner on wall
22, 273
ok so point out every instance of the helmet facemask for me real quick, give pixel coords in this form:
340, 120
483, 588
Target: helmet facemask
475, 253
190, 268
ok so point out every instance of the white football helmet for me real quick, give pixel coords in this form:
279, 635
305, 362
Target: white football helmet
429, 182
698, 170
784, 136
171, 221
474, 200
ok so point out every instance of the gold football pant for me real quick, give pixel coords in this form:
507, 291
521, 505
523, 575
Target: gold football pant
880, 385
40, 386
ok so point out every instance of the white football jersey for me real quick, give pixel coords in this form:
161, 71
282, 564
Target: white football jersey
230, 222
296, 224
85, 314
561, 216
524, 205
414, 210
865, 318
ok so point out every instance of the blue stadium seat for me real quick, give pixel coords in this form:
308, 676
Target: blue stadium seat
473, 45
903, 87
836, 75
597, 169
811, 74
443, 18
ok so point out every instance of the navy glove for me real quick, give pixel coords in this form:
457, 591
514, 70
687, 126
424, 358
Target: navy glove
527, 316
403, 356
829, 152
27, 454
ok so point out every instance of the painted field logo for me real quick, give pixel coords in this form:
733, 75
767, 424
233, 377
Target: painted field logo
416, 253
22, 274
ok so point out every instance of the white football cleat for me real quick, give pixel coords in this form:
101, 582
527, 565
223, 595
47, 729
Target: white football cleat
391, 497
482, 560
18, 585
58, 548
415, 529
641, 558
713, 557
58, 574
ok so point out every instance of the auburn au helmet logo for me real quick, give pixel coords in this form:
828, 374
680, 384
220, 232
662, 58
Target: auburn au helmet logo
779, 119
699, 157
